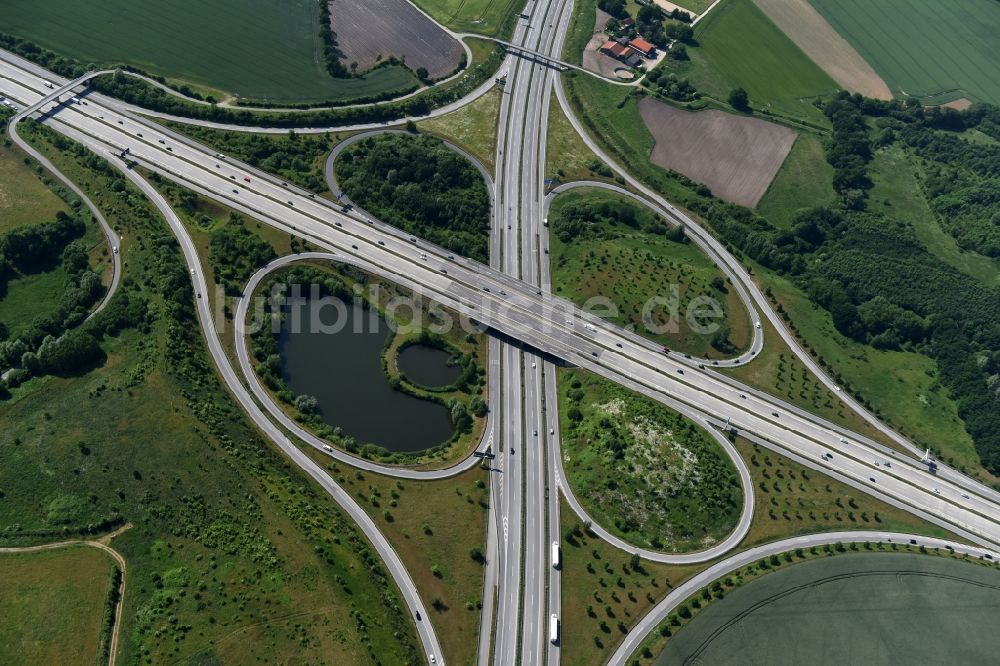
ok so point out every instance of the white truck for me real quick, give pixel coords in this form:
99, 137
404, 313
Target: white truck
554, 628
555, 554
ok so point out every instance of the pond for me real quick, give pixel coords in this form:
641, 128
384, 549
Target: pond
427, 366
339, 362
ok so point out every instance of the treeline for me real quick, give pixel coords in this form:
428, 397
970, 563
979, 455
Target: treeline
331, 50
879, 282
420, 185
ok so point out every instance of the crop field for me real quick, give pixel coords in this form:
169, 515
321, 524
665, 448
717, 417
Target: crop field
486, 17
58, 598
623, 256
936, 51
735, 156
265, 50
642, 470
811, 33
371, 30
887, 608
739, 46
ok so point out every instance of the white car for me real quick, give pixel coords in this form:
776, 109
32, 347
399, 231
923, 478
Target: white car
937, 491
328, 448
757, 324
115, 249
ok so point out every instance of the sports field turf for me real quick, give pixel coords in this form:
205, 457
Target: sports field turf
872, 608
935, 50
260, 49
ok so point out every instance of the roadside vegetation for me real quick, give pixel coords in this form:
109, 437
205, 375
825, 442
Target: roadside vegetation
234, 554
494, 18
58, 598
464, 398
48, 285
472, 127
605, 246
605, 591
420, 185
439, 530
643, 471
567, 157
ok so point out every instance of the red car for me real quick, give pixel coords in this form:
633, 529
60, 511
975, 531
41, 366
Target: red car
246, 178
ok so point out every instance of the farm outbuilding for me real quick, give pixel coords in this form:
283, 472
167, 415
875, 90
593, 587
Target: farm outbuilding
643, 47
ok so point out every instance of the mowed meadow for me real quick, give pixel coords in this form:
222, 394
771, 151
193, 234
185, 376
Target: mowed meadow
937, 51
266, 50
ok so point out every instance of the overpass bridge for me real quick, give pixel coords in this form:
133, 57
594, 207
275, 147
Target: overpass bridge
62, 90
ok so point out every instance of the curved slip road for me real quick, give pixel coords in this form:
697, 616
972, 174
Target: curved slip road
633, 640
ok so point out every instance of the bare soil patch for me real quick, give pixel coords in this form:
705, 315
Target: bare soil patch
735, 156
960, 104
369, 31
817, 38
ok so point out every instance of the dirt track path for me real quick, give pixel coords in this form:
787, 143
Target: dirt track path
100, 544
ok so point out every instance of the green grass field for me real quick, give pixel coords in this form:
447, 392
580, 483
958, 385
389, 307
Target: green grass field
235, 556
643, 471
804, 181
24, 199
937, 51
631, 265
52, 603
494, 18
259, 49
473, 127
740, 47
884, 603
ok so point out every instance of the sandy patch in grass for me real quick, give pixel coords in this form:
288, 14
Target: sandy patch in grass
735, 156
824, 45
961, 104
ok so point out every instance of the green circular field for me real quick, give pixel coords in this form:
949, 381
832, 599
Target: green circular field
872, 608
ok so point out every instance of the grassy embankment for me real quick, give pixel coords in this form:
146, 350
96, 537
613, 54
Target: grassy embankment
472, 127
53, 604
494, 18
643, 471
604, 245
235, 555
257, 50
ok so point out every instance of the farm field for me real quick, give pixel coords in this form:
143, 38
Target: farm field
735, 156
936, 51
265, 50
804, 611
804, 181
811, 33
494, 18
739, 46
369, 31
58, 597
605, 246
643, 471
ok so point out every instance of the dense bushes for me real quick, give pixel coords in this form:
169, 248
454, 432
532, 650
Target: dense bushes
418, 184
235, 254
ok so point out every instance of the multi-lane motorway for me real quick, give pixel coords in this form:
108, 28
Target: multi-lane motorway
511, 296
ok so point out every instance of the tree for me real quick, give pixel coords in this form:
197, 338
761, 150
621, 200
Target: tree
306, 404
423, 74
739, 99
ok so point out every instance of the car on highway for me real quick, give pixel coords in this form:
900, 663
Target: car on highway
160, 141
774, 414
115, 249
937, 491
757, 324
246, 178
872, 479
328, 448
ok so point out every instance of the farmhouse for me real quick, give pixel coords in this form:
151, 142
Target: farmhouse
640, 45
620, 52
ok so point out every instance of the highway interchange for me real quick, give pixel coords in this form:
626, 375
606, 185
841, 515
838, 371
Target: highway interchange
523, 426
